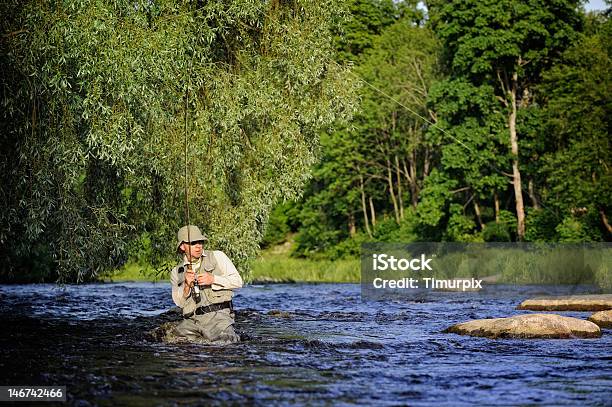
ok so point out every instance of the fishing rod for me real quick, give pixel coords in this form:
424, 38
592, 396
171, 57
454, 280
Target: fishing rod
196, 285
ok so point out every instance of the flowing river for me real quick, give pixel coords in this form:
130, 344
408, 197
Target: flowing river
314, 344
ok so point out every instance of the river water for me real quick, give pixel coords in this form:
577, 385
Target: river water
314, 344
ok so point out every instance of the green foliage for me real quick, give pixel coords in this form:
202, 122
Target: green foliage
97, 98
488, 49
385, 229
562, 109
483, 38
495, 53
406, 231
348, 248
385, 144
541, 226
283, 220
473, 146
578, 229
496, 232
577, 166
570, 230
502, 229
460, 227
434, 198
364, 22
316, 235
134, 271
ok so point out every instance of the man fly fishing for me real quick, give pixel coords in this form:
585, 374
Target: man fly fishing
202, 285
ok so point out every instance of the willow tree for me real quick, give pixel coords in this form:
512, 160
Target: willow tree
98, 99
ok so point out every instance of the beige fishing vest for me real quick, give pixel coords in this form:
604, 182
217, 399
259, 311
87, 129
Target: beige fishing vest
207, 294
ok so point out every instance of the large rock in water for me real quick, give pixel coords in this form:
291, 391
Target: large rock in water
602, 318
528, 326
591, 302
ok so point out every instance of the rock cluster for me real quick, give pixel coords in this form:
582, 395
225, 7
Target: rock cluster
546, 325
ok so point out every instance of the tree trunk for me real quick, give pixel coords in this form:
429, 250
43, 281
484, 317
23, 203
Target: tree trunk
532, 195
604, 220
414, 186
414, 192
516, 174
477, 212
426, 164
392, 192
399, 188
372, 212
351, 225
363, 207
496, 200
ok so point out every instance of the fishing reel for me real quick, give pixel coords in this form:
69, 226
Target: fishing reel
196, 290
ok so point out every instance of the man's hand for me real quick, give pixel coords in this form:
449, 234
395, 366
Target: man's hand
189, 278
206, 279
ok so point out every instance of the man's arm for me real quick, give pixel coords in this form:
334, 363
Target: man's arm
180, 290
230, 278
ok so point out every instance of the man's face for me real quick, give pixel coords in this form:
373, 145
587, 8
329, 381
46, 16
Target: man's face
195, 249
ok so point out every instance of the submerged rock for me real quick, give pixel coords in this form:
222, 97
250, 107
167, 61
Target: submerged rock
590, 302
165, 332
279, 314
602, 318
528, 326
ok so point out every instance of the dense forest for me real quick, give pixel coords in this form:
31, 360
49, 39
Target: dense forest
333, 122
478, 121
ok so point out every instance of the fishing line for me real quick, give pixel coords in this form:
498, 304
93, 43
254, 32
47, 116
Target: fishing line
414, 113
488, 164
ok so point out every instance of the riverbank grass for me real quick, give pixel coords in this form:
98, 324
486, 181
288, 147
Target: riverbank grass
134, 272
282, 268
